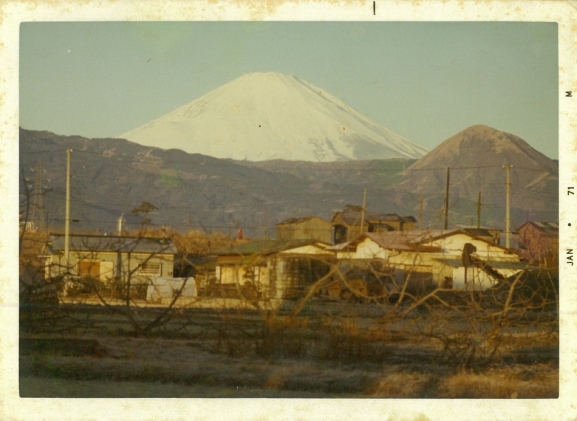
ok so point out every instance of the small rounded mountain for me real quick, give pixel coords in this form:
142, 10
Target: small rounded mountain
482, 145
476, 157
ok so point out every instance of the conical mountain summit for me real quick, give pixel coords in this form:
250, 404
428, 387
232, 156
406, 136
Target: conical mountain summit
264, 116
476, 157
482, 145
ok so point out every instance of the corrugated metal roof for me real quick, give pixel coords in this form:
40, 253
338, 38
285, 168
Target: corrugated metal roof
549, 228
478, 232
407, 240
99, 243
354, 217
301, 219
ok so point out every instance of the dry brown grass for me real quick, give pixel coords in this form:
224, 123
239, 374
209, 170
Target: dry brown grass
405, 374
502, 384
402, 385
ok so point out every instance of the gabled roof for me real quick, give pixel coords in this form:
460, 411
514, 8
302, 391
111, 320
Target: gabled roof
292, 221
354, 217
548, 228
100, 243
408, 240
478, 232
266, 247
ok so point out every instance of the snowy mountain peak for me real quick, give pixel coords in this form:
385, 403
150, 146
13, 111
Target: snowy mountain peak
263, 116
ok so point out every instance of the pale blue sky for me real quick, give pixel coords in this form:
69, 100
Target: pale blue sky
425, 81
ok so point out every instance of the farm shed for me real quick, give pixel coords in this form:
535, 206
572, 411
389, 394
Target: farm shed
106, 257
273, 268
539, 242
308, 227
347, 225
426, 256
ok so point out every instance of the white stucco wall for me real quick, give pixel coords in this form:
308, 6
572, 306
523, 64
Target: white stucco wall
368, 249
454, 245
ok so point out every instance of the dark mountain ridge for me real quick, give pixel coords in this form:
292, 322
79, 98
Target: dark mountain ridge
476, 157
112, 176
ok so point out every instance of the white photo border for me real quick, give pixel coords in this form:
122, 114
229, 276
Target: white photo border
12, 407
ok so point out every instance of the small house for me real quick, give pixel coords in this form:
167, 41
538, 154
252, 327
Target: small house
308, 227
348, 225
539, 242
432, 257
271, 268
104, 257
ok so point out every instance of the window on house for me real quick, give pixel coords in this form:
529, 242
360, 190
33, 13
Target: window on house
151, 269
89, 268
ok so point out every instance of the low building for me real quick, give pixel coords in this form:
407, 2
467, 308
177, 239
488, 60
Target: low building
308, 227
164, 290
107, 257
539, 242
431, 258
350, 224
272, 269
492, 235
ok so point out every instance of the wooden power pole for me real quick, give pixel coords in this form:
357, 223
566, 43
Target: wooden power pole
479, 204
447, 198
363, 210
507, 214
421, 212
67, 215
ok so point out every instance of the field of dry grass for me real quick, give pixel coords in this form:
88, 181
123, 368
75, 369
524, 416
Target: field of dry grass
338, 351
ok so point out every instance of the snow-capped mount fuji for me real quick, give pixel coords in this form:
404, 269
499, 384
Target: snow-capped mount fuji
264, 116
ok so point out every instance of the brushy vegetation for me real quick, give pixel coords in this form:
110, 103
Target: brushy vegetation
409, 343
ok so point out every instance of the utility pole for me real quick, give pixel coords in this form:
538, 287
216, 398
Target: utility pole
479, 204
447, 198
67, 216
421, 212
507, 216
363, 210
38, 219
120, 221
